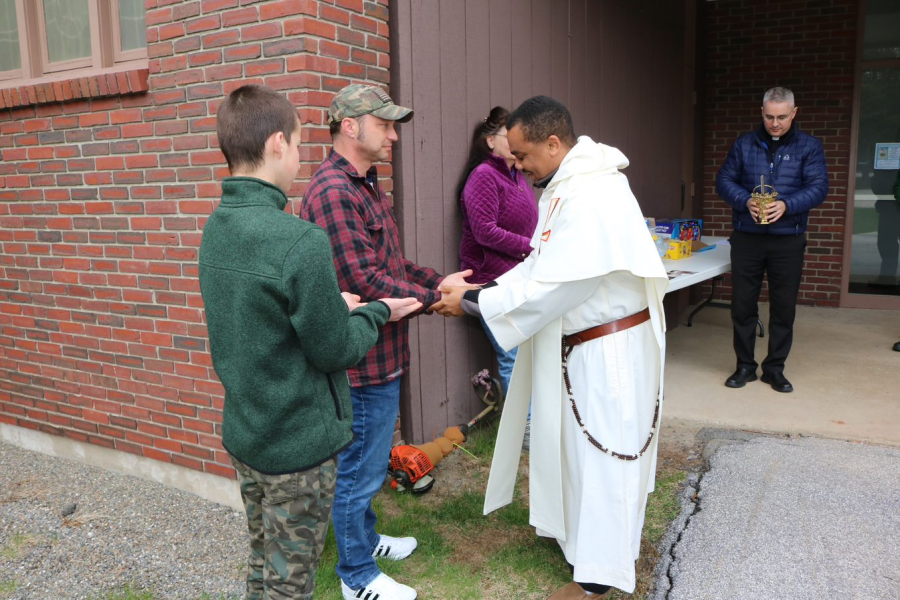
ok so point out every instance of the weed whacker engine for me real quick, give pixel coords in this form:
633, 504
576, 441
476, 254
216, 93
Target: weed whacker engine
410, 465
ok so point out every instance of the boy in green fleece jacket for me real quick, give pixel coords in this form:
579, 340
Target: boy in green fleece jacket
281, 336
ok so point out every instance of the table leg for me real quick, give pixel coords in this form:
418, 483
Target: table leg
709, 302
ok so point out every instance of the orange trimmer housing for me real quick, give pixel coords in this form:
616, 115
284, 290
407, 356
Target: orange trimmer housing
410, 460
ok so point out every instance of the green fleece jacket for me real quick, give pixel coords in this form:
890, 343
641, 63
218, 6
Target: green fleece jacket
280, 335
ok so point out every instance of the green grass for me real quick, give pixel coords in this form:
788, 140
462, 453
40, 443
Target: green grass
462, 510
129, 593
482, 439
513, 515
459, 549
663, 505
534, 565
462, 554
465, 555
14, 548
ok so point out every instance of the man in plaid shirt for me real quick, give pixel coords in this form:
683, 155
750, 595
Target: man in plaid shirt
344, 199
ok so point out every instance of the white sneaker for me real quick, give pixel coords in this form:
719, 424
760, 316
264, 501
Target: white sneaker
394, 548
381, 588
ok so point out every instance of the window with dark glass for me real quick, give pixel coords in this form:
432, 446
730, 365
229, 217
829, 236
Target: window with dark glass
875, 242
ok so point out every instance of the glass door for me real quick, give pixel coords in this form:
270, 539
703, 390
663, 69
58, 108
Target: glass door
875, 206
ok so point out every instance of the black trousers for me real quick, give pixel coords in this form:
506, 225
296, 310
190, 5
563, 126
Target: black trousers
781, 258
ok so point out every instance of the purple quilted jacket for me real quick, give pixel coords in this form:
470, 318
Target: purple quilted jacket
499, 217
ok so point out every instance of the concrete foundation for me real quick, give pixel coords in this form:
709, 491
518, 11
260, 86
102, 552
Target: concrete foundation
210, 487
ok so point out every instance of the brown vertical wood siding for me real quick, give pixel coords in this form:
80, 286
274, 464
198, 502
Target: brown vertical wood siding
617, 65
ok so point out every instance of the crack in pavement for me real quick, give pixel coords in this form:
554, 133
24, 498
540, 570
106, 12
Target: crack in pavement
713, 440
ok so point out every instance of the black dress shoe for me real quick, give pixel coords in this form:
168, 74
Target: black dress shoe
897, 347
740, 378
778, 382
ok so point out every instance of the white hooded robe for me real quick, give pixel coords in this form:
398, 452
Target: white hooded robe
594, 262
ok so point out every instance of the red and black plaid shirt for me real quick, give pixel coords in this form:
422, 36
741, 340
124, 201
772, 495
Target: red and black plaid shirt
367, 257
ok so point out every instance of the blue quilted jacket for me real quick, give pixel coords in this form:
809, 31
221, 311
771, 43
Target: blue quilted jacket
797, 171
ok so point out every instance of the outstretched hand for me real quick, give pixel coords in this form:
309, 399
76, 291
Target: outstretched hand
401, 307
352, 300
450, 304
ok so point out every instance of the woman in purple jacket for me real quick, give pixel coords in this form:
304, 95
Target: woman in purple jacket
499, 214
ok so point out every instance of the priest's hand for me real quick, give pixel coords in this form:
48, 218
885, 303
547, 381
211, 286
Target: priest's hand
455, 279
450, 304
753, 207
775, 211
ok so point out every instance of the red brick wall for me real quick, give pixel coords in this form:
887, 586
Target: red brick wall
809, 47
103, 198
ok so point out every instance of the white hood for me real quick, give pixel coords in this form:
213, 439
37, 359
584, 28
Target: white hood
588, 156
582, 241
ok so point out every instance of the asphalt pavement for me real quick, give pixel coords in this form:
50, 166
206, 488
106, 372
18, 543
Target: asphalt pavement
786, 517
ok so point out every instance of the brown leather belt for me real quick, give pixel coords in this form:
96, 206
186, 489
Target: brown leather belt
607, 328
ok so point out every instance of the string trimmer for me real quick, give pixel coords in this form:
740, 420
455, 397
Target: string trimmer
410, 466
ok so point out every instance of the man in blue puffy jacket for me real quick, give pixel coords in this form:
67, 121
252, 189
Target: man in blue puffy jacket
794, 163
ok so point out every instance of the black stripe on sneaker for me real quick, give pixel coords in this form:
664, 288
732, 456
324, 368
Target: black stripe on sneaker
387, 550
360, 592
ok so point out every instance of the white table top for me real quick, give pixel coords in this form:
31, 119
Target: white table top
702, 265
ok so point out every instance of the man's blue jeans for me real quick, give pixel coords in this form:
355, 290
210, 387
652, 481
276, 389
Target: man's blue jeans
362, 467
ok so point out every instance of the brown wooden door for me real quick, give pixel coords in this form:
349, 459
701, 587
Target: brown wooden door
617, 65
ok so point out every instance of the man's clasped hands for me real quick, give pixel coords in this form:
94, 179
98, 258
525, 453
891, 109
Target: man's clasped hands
452, 288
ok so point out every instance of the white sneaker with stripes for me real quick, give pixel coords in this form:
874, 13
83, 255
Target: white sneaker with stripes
394, 548
381, 588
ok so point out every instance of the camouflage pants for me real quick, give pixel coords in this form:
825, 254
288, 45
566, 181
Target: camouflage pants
287, 516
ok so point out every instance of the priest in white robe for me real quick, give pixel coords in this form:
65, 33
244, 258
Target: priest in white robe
593, 440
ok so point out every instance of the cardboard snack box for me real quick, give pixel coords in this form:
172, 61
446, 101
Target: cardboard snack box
679, 229
678, 249
687, 229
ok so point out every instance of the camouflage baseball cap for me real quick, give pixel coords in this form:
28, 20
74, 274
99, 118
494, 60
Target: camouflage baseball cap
357, 100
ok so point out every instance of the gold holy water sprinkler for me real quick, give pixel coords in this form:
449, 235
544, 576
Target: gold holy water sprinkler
763, 198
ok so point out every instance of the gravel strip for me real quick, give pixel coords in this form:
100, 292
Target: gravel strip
122, 531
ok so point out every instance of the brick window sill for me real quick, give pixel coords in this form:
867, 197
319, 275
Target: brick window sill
96, 84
